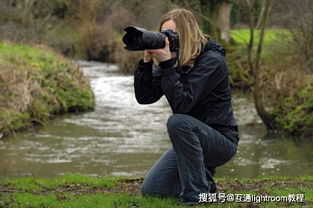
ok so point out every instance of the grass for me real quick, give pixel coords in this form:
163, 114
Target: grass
36, 84
121, 192
241, 36
275, 41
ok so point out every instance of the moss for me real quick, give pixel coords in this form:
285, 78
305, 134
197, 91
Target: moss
36, 84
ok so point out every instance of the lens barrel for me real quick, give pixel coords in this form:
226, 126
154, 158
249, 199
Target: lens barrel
137, 39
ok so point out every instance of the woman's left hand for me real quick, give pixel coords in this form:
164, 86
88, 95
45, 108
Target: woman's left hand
162, 54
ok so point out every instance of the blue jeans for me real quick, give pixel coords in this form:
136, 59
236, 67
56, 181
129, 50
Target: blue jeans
183, 170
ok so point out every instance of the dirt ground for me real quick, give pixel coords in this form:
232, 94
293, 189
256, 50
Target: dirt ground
132, 186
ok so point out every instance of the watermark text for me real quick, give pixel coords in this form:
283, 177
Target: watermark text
248, 198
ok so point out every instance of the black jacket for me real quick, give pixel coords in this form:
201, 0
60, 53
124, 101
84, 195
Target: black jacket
202, 91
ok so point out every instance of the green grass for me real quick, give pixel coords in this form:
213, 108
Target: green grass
64, 37
122, 200
29, 183
121, 192
275, 41
276, 44
36, 84
242, 36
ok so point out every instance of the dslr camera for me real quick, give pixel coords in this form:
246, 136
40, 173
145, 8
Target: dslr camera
138, 39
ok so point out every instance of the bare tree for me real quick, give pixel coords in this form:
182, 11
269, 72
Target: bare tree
297, 16
254, 60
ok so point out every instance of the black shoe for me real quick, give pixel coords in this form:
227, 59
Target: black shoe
212, 171
213, 188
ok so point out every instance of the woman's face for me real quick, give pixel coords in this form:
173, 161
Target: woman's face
169, 25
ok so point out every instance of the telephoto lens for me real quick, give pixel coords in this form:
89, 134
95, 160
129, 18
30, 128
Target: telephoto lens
138, 39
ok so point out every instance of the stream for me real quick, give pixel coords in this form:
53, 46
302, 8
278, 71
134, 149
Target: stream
122, 138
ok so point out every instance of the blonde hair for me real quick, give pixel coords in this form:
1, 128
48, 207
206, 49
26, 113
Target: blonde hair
191, 39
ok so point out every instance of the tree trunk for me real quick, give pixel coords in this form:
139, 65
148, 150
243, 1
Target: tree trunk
223, 20
254, 65
266, 117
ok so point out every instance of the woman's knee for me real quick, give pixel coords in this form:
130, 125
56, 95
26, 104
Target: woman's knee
148, 190
148, 187
176, 121
145, 189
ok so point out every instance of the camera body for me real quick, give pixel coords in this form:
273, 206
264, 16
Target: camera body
137, 39
173, 38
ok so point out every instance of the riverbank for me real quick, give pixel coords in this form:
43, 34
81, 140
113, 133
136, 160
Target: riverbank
36, 84
83, 191
286, 95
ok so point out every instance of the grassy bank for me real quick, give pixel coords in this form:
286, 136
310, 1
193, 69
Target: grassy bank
36, 84
119, 192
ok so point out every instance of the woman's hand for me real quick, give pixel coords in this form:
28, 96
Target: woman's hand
147, 56
162, 54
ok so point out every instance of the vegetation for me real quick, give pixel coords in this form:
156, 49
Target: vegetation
36, 84
294, 113
241, 36
274, 45
286, 94
82, 191
265, 75
81, 29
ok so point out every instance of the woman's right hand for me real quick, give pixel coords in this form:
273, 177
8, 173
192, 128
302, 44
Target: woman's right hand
147, 56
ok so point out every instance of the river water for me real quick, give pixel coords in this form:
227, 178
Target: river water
122, 138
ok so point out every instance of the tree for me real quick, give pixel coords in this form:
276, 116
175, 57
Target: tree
254, 60
299, 21
223, 13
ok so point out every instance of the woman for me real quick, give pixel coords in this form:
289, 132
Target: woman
202, 129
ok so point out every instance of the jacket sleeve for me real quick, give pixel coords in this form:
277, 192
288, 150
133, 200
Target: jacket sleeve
207, 74
147, 86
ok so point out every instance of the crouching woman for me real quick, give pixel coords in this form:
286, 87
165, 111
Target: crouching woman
202, 130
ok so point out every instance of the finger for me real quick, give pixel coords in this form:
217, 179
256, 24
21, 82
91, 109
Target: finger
152, 51
167, 43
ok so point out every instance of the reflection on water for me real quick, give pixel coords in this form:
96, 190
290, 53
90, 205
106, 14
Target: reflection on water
121, 137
